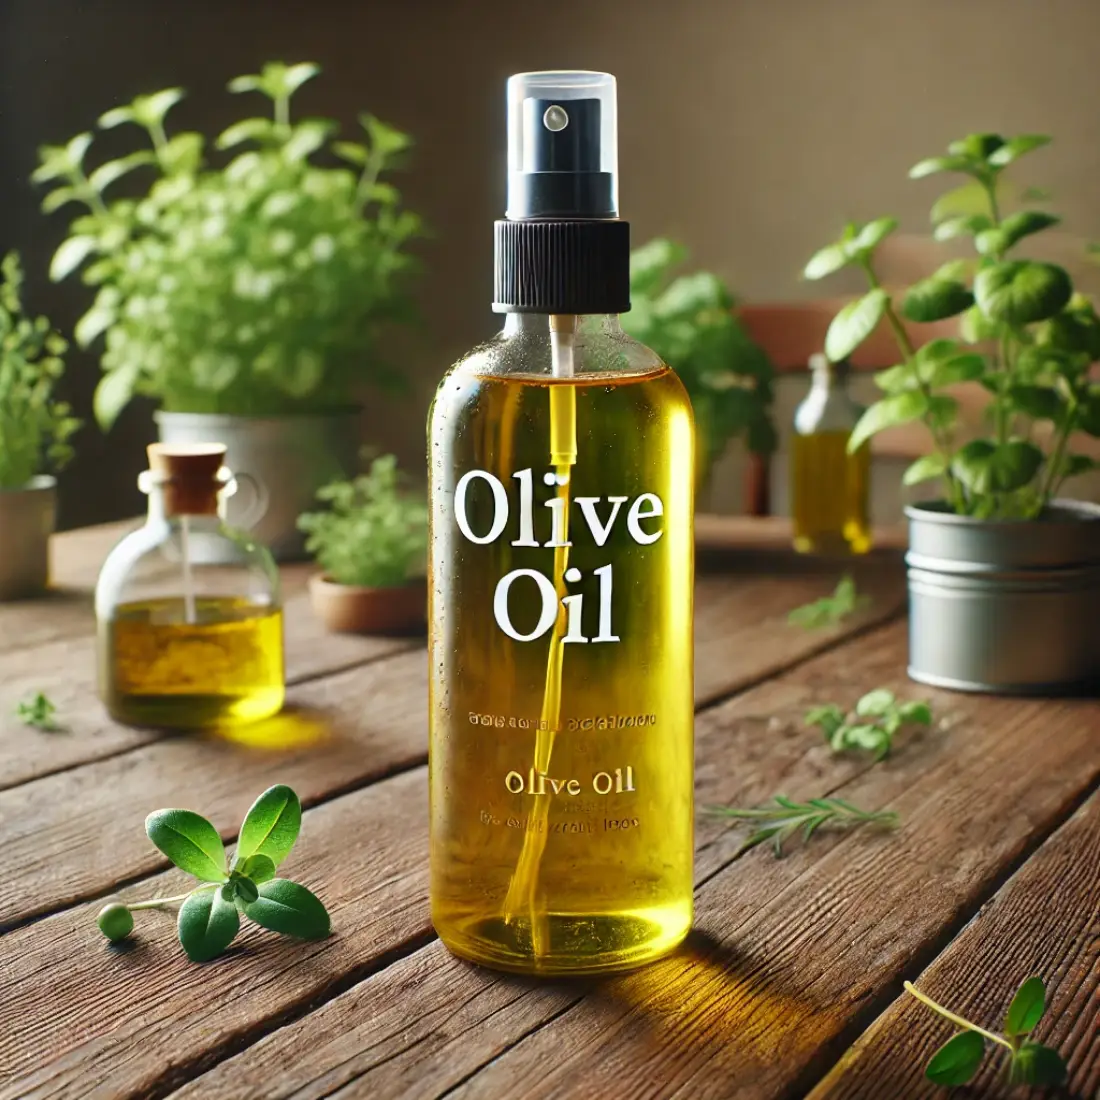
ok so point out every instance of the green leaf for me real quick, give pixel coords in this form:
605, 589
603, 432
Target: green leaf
207, 924
112, 394
960, 368
351, 151
976, 146
650, 264
998, 240
297, 75
58, 197
985, 467
898, 378
190, 842
1035, 1064
1076, 465
112, 170
1019, 292
242, 887
306, 138
854, 323
1038, 402
149, 110
97, 320
926, 468
976, 328
962, 225
70, 255
826, 260
898, 408
875, 702
1016, 147
284, 906
935, 299
872, 234
383, 137
1089, 414
829, 717
933, 165
271, 825
970, 198
248, 129
1027, 1008
919, 713
957, 1060
259, 868
116, 116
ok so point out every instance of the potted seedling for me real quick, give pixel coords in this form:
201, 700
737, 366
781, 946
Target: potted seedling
1004, 576
688, 320
245, 298
371, 543
34, 437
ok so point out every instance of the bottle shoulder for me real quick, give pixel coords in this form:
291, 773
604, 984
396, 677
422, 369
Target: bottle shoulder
826, 410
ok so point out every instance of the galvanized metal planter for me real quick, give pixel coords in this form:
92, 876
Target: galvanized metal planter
27, 519
1005, 606
288, 458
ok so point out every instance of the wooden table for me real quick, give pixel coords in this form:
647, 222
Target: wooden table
790, 984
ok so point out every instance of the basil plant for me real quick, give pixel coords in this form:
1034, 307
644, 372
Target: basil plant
1024, 335
256, 287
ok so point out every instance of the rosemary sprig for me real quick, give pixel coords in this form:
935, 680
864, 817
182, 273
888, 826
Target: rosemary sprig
782, 821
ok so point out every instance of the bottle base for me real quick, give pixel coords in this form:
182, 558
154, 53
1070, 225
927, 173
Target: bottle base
195, 712
571, 943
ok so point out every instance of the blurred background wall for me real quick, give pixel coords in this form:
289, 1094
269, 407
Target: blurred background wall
750, 129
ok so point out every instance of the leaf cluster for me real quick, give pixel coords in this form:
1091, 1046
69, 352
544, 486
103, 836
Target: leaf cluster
255, 287
830, 610
39, 712
374, 532
1029, 1062
872, 726
1026, 337
34, 427
210, 915
688, 321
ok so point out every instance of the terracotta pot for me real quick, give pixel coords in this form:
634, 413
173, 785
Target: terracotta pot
351, 609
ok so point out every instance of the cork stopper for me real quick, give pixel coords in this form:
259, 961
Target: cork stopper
188, 476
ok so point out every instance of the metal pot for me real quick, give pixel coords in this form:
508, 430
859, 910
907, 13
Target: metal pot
1007, 606
27, 519
287, 458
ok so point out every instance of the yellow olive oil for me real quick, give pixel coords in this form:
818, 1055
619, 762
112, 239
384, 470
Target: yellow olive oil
223, 666
561, 703
829, 490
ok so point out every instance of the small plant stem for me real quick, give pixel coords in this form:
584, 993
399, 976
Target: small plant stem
282, 112
957, 1020
155, 903
1006, 370
1052, 479
909, 352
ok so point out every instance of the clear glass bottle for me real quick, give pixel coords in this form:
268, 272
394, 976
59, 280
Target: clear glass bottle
561, 710
185, 643
829, 486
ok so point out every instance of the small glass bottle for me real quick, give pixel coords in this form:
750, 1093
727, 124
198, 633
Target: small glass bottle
829, 486
185, 644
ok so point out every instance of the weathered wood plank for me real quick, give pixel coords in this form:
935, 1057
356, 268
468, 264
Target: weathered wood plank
1045, 921
65, 669
786, 954
159, 1026
376, 718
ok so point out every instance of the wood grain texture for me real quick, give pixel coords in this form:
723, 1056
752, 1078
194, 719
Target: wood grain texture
65, 669
125, 1050
364, 722
786, 954
1044, 921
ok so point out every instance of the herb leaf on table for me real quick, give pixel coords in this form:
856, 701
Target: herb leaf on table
830, 610
38, 713
1030, 1063
210, 915
786, 818
876, 720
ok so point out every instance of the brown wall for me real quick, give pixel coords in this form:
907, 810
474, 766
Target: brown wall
749, 128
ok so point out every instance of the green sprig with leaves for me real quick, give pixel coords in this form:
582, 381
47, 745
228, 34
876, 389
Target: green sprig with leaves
1029, 1062
1026, 337
787, 819
254, 288
375, 532
830, 610
688, 320
210, 915
34, 427
871, 727
39, 712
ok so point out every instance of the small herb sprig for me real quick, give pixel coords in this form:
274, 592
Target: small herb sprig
781, 822
877, 718
1030, 1063
830, 610
210, 915
38, 713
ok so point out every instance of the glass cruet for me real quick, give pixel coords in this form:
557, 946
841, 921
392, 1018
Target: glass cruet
188, 609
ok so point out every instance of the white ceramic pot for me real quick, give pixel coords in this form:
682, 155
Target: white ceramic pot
27, 519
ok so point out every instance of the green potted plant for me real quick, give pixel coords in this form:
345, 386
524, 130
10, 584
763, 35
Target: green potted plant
371, 543
34, 437
1004, 577
245, 298
688, 320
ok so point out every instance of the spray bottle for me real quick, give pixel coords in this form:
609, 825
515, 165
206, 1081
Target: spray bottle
560, 594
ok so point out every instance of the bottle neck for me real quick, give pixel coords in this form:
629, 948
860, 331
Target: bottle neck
539, 324
158, 511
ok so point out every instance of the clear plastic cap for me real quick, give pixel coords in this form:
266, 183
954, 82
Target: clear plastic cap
562, 145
